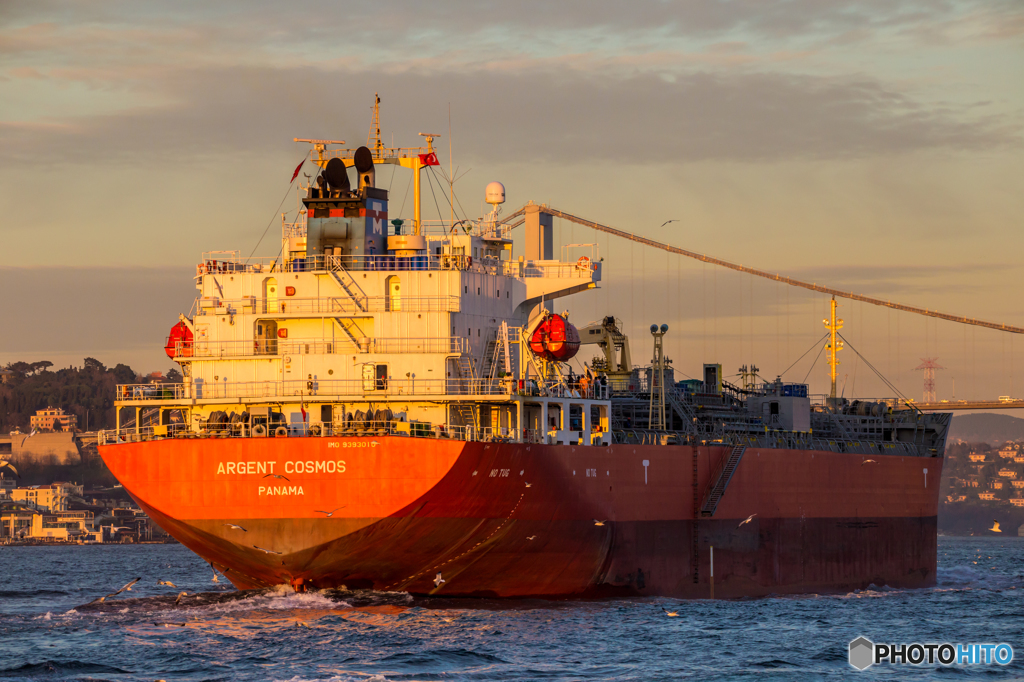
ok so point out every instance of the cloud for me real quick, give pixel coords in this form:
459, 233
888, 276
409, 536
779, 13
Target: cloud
519, 116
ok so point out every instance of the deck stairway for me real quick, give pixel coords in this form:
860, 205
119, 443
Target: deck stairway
462, 414
721, 481
351, 333
349, 286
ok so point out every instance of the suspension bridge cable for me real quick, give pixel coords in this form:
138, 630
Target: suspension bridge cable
778, 278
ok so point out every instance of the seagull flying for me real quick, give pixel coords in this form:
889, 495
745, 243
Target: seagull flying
868, 461
31, 434
438, 580
8, 465
529, 485
278, 476
167, 583
995, 529
233, 526
599, 523
747, 520
126, 588
329, 513
180, 595
215, 579
674, 220
532, 537
670, 614
266, 551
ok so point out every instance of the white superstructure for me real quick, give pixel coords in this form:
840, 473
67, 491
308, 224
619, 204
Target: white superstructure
361, 319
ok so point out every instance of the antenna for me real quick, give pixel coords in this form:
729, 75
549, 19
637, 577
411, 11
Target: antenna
319, 146
430, 137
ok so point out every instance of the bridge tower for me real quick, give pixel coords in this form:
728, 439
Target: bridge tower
929, 365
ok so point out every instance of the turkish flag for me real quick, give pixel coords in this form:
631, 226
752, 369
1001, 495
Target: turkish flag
429, 159
297, 169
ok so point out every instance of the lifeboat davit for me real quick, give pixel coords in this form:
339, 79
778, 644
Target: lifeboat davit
179, 341
555, 339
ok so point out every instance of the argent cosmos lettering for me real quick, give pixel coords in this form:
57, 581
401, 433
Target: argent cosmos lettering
329, 466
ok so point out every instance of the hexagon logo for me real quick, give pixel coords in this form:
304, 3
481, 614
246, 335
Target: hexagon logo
862, 653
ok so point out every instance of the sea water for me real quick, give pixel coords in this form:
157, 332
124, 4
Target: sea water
47, 631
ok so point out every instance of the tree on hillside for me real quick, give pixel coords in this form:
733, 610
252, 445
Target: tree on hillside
88, 392
40, 366
94, 365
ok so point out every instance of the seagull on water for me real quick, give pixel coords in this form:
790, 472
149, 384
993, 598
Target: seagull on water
747, 520
126, 588
266, 551
438, 580
167, 583
300, 624
329, 513
670, 614
233, 526
599, 523
995, 529
278, 476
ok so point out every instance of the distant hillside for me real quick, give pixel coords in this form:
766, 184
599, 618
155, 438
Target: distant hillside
986, 427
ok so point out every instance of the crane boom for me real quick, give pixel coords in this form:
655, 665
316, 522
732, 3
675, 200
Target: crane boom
768, 275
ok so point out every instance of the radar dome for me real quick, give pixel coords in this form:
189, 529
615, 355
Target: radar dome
495, 193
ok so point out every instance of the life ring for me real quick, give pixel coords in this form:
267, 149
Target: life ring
280, 432
259, 430
583, 263
315, 430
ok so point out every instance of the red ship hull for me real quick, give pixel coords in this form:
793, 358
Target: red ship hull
516, 519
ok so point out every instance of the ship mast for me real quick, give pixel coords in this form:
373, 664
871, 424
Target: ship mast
833, 347
373, 140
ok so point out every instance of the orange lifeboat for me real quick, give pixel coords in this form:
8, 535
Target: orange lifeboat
179, 341
555, 339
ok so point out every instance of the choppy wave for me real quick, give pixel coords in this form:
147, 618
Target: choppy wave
364, 636
48, 668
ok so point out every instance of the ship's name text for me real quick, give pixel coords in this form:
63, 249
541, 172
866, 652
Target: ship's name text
329, 466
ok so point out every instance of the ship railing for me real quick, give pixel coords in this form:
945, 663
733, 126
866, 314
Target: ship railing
294, 230
164, 391
370, 388
488, 229
273, 347
231, 262
329, 305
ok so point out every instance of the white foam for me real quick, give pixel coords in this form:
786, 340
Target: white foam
361, 678
280, 598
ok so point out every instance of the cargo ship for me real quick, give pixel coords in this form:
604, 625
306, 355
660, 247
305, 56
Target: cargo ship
390, 405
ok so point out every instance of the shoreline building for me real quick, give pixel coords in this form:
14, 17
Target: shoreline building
53, 419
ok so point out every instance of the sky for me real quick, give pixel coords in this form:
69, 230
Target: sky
871, 146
